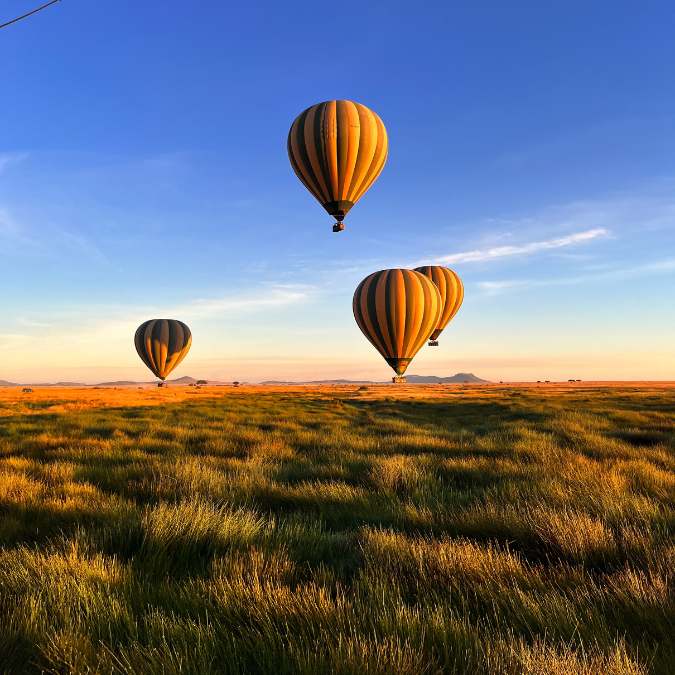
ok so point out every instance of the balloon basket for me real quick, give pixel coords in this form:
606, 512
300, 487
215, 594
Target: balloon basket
338, 227
398, 379
433, 343
162, 384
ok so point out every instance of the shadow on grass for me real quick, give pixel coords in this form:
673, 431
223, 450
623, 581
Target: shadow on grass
448, 416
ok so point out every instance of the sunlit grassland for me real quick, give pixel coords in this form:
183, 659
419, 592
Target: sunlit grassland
347, 530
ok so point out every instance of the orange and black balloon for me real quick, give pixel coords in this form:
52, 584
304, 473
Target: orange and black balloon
162, 344
452, 293
337, 149
397, 310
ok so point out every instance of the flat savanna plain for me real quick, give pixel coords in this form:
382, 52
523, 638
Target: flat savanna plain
378, 529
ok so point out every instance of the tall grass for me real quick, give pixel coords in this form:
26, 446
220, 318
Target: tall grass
339, 531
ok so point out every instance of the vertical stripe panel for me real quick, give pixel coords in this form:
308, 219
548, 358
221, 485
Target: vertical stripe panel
311, 131
415, 313
298, 154
354, 134
379, 158
382, 310
431, 305
436, 309
342, 116
176, 344
359, 306
320, 141
330, 132
451, 292
139, 341
149, 328
161, 348
366, 305
367, 147
186, 346
398, 309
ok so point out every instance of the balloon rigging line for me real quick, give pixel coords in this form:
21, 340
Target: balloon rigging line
25, 16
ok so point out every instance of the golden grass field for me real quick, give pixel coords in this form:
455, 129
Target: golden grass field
347, 529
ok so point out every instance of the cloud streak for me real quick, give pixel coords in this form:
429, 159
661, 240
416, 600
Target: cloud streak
278, 295
530, 248
113, 320
665, 266
9, 158
9, 228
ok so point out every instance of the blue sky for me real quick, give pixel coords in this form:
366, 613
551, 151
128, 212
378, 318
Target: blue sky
143, 172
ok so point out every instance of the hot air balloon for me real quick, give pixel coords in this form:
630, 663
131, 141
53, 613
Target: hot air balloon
397, 310
162, 344
452, 294
337, 149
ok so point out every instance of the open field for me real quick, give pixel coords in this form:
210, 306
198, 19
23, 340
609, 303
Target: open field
426, 529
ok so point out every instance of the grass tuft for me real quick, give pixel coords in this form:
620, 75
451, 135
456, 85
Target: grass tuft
338, 530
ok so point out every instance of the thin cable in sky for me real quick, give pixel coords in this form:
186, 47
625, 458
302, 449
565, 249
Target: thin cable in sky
34, 11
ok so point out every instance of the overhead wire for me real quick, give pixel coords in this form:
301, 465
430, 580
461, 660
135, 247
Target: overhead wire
27, 14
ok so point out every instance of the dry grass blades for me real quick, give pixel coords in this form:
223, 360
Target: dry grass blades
338, 530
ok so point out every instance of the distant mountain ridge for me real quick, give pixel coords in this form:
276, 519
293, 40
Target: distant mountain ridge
458, 378
119, 383
338, 381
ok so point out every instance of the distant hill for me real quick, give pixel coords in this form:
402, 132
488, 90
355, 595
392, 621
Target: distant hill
43, 384
5, 383
458, 378
184, 380
284, 382
127, 383
118, 383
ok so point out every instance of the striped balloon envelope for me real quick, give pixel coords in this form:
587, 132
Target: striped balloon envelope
397, 310
452, 294
337, 149
162, 344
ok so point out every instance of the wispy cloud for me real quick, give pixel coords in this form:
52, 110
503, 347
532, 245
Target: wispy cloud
31, 323
664, 266
496, 287
9, 158
79, 244
529, 248
115, 322
45, 241
8, 227
276, 295
12, 231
